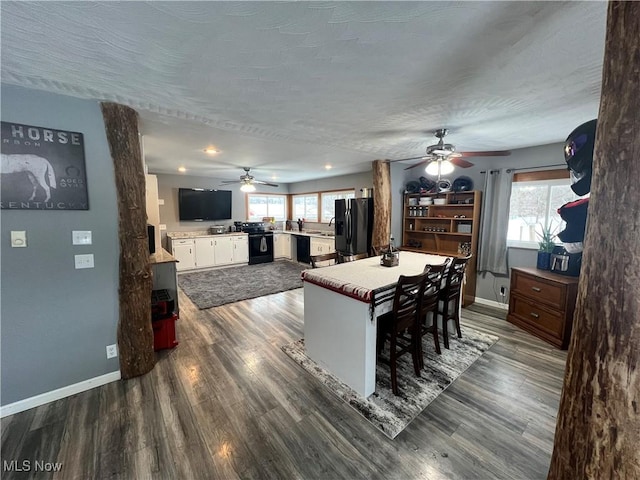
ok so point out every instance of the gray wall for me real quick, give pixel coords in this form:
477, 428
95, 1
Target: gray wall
56, 321
488, 285
342, 182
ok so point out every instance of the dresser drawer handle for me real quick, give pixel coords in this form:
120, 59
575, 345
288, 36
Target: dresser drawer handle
535, 315
536, 289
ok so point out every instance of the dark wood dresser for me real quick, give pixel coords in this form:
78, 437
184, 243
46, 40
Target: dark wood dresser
542, 303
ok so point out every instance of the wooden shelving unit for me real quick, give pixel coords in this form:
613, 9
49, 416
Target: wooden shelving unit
450, 229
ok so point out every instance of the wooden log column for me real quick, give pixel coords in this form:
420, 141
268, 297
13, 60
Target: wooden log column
381, 203
598, 427
135, 333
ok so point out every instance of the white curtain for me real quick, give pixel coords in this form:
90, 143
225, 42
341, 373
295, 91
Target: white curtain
492, 256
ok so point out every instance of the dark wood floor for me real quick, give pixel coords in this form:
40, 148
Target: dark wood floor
227, 403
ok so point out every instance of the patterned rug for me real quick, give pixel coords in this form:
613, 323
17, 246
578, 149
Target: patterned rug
390, 413
212, 288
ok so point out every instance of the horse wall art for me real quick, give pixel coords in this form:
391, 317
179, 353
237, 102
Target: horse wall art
38, 170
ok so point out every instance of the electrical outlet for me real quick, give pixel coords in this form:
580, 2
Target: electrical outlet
112, 351
503, 291
84, 261
81, 237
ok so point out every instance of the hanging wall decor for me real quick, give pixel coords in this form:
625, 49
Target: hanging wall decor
42, 169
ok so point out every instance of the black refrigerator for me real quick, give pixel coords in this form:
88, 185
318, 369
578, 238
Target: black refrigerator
354, 225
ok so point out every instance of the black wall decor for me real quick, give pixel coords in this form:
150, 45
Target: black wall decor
42, 169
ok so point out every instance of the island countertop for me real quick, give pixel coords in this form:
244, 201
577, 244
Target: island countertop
364, 278
341, 306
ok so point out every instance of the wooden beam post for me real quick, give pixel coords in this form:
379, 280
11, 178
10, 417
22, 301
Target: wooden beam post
381, 203
598, 427
135, 333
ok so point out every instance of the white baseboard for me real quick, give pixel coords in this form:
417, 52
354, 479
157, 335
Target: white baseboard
492, 303
43, 398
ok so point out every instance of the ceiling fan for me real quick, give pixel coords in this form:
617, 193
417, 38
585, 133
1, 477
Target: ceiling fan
442, 157
248, 182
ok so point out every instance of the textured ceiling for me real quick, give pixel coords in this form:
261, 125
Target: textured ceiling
288, 87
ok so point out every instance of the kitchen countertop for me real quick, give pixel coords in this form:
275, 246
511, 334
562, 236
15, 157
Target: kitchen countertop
200, 234
186, 235
162, 257
312, 233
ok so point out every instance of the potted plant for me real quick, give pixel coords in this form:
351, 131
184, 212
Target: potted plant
546, 245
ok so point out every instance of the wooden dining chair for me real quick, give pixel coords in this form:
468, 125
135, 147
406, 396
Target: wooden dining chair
330, 258
400, 325
351, 258
429, 306
449, 301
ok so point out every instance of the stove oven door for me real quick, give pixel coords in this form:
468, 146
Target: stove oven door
260, 247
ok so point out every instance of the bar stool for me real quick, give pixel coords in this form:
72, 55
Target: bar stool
351, 258
326, 257
430, 302
401, 327
450, 297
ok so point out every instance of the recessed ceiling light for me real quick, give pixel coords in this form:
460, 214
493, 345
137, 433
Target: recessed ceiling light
182, 169
210, 150
328, 167
274, 177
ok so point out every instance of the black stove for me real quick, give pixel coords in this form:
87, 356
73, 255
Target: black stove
260, 241
251, 227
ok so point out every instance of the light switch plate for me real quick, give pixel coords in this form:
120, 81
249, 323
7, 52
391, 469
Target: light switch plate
160, 201
84, 261
18, 238
162, 226
81, 237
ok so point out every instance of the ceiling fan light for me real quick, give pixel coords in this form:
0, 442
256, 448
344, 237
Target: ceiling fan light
248, 187
446, 167
442, 167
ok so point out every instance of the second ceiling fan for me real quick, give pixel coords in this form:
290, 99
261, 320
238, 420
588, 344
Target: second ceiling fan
248, 182
438, 154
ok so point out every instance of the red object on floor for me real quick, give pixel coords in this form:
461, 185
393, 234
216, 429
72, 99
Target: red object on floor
164, 333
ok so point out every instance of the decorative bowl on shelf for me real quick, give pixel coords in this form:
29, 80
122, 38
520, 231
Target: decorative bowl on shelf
426, 201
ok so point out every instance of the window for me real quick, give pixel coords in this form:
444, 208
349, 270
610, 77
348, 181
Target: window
535, 199
306, 206
265, 205
328, 202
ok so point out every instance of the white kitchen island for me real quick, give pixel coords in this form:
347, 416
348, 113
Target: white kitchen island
341, 306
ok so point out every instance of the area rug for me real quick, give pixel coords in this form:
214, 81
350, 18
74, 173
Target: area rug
212, 288
390, 413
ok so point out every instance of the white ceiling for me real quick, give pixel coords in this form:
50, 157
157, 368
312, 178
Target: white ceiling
286, 87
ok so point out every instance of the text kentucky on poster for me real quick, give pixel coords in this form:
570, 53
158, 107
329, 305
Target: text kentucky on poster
42, 169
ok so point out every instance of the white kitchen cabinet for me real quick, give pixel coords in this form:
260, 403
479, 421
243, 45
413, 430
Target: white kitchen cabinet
205, 252
282, 245
223, 249
184, 251
320, 246
240, 248
210, 251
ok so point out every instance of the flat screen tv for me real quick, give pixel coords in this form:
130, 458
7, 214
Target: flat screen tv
199, 205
